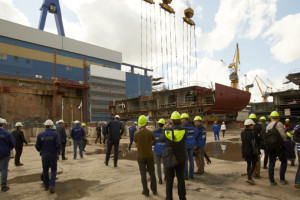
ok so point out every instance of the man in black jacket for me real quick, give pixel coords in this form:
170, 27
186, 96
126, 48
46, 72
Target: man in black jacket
60, 129
177, 144
20, 139
104, 132
98, 129
115, 129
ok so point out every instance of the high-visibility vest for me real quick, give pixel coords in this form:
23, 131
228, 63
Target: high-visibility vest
178, 134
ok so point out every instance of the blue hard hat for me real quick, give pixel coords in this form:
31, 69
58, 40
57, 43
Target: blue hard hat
57, 122
296, 127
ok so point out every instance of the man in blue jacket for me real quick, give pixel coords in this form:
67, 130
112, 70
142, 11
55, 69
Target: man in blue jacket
77, 134
7, 143
192, 133
159, 144
132, 130
200, 145
115, 130
216, 129
48, 144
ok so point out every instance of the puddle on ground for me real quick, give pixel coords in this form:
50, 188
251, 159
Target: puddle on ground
124, 153
225, 151
74, 188
27, 178
235, 140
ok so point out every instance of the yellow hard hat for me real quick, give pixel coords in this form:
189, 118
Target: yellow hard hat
175, 115
262, 118
142, 120
289, 134
83, 124
161, 121
197, 118
274, 114
287, 120
252, 116
184, 116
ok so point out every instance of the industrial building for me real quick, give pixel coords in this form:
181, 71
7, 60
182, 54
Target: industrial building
44, 75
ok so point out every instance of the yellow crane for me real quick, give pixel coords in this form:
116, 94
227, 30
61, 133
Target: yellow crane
265, 94
234, 78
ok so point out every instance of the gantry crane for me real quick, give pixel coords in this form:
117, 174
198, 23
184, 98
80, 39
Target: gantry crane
265, 94
234, 78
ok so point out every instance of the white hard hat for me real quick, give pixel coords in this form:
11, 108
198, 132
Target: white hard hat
223, 122
18, 124
249, 122
3, 121
48, 122
77, 122
117, 116
61, 121
135, 123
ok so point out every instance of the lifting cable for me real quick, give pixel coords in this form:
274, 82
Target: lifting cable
196, 51
155, 42
146, 35
171, 51
187, 55
167, 54
176, 52
161, 45
190, 64
141, 33
183, 53
151, 66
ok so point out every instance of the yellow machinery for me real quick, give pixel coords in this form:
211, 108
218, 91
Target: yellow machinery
234, 78
265, 94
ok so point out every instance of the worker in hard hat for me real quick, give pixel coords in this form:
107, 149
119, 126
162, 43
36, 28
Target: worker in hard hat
48, 143
84, 139
98, 130
189, 146
7, 143
144, 140
159, 144
77, 134
257, 131
20, 139
223, 128
175, 138
279, 151
132, 130
115, 130
262, 121
288, 126
200, 145
216, 129
289, 145
248, 152
61, 131
104, 132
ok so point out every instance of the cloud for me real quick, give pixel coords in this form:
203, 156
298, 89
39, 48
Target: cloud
283, 37
237, 19
10, 13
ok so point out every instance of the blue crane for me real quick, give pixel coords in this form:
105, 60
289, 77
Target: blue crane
53, 7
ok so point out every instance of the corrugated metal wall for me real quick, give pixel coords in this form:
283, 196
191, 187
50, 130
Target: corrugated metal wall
137, 85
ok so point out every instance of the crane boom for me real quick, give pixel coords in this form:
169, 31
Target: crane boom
234, 78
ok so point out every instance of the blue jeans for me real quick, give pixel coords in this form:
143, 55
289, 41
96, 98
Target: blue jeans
216, 135
52, 164
297, 179
79, 143
4, 167
272, 161
130, 143
189, 159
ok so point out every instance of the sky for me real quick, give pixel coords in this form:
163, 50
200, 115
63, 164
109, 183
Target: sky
267, 32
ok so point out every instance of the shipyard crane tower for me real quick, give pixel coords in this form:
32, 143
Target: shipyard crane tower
53, 7
264, 94
234, 78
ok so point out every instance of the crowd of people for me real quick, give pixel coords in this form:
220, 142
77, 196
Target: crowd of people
175, 145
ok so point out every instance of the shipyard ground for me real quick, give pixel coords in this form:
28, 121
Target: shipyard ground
89, 178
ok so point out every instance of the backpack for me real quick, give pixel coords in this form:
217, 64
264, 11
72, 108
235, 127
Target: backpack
273, 139
296, 136
255, 147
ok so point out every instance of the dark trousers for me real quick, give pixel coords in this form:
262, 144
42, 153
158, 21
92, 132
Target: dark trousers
251, 167
46, 165
98, 136
111, 143
130, 143
19, 151
272, 161
84, 142
170, 174
63, 149
223, 132
104, 139
297, 178
4, 168
266, 158
147, 165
